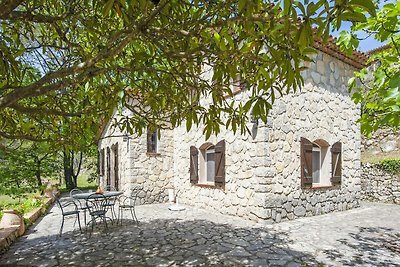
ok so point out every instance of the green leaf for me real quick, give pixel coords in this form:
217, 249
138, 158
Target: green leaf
107, 7
367, 5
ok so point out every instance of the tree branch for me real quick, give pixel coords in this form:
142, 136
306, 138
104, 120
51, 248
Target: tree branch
31, 110
7, 6
28, 16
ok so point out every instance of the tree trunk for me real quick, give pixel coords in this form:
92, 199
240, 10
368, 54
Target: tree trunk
68, 172
78, 169
38, 172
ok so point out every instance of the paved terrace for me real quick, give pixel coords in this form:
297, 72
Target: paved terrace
364, 236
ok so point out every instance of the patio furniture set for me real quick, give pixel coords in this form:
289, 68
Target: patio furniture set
97, 205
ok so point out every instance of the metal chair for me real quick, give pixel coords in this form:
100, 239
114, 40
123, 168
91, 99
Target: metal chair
68, 208
111, 202
97, 208
82, 204
128, 202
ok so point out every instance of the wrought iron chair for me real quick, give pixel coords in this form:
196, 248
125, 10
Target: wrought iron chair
81, 203
68, 208
97, 208
128, 202
111, 202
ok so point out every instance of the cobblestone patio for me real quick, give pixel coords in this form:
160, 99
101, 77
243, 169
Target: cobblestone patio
360, 237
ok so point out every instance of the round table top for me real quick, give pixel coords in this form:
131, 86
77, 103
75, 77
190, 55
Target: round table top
105, 193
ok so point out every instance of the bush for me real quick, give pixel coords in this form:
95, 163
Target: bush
24, 205
390, 165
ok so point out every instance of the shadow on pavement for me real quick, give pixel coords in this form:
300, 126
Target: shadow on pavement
370, 246
161, 242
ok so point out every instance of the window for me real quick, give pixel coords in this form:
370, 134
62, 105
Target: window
317, 168
316, 164
207, 164
209, 168
152, 141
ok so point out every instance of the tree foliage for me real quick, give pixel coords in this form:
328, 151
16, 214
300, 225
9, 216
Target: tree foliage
379, 93
76, 60
24, 165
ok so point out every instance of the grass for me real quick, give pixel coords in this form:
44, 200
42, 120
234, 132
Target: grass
82, 184
369, 157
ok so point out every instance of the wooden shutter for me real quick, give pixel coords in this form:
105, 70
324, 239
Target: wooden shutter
102, 161
336, 152
98, 163
194, 165
108, 167
116, 175
220, 163
306, 162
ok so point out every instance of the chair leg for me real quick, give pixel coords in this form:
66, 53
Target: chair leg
84, 214
79, 223
62, 225
134, 213
120, 215
105, 222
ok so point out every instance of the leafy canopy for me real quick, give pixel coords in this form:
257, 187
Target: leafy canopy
66, 64
378, 90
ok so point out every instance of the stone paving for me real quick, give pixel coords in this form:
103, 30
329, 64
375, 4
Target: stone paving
364, 236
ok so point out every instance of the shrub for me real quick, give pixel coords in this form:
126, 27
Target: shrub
390, 165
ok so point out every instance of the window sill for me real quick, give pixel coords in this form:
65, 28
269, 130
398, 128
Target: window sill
322, 187
153, 154
209, 185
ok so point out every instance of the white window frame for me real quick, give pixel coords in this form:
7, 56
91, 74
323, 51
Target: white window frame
324, 165
203, 169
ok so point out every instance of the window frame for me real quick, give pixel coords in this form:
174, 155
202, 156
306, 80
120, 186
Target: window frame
198, 165
326, 178
152, 142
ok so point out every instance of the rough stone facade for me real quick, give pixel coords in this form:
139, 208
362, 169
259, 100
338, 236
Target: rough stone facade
383, 140
151, 172
379, 185
262, 171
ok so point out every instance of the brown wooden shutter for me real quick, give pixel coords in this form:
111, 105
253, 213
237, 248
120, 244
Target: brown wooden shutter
336, 152
98, 163
116, 174
194, 165
220, 163
108, 174
306, 162
102, 161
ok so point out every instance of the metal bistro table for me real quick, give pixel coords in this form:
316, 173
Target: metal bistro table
107, 194
94, 195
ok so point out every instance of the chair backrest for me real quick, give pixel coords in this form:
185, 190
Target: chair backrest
74, 191
96, 202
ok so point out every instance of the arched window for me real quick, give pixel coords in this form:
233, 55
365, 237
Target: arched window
315, 163
208, 166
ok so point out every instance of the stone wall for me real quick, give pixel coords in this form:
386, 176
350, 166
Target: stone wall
322, 110
378, 185
383, 140
263, 170
150, 171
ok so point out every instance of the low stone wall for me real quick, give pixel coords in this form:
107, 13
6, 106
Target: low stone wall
383, 140
9, 234
378, 185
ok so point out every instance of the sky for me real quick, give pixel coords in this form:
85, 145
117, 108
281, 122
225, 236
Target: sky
367, 43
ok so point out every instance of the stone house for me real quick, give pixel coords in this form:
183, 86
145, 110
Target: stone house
305, 161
